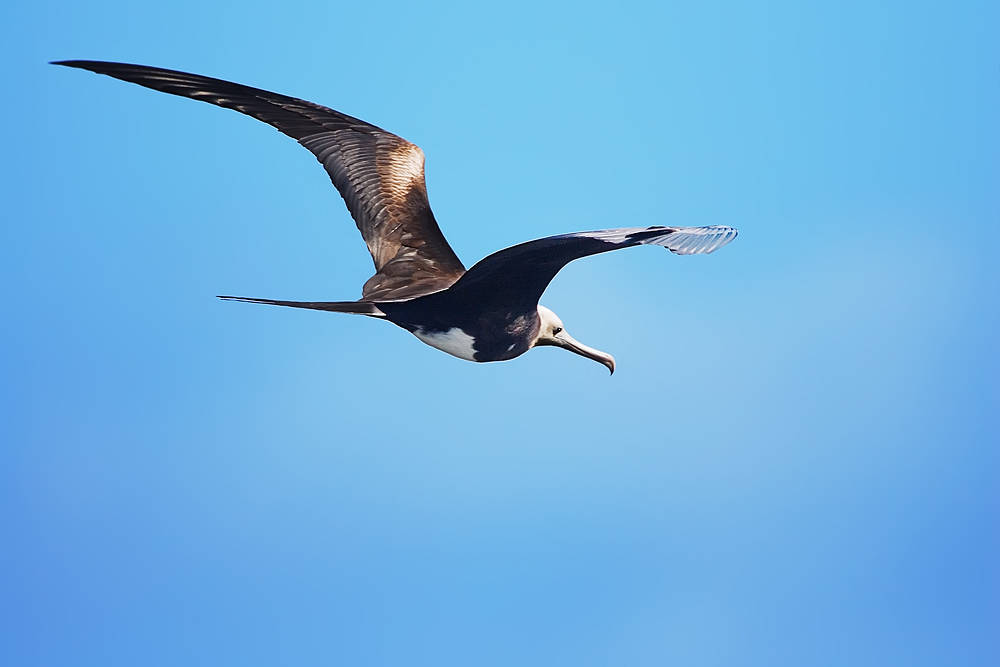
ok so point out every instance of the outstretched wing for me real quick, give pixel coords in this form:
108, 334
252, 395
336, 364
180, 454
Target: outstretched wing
518, 275
379, 175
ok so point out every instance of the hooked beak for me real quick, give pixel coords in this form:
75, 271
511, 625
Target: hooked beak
566, 341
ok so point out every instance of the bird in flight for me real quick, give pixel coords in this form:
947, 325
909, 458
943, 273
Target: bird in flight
487, 313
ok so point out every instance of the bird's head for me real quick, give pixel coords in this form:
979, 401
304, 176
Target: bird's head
552, 332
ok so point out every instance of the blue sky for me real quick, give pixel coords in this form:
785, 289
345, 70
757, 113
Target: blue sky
795, 463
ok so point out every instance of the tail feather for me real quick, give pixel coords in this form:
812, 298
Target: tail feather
355, 307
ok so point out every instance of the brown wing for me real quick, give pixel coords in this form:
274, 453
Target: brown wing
379, 175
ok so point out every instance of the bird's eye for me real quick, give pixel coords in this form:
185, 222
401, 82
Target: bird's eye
556, 330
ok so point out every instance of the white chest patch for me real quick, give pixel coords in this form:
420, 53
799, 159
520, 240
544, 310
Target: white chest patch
454, 341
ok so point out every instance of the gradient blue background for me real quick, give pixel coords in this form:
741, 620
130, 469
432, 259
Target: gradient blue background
795, 464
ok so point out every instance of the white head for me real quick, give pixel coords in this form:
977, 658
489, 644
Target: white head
552, 332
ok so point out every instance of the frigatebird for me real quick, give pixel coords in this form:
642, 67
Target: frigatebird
488, 313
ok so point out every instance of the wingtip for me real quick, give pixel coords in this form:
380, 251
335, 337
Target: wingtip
88, 65
244, 299
96, 66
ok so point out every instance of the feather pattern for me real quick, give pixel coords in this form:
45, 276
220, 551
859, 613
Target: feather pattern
379, 175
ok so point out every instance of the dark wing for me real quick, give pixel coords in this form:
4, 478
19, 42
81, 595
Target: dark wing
379, 175
518, 275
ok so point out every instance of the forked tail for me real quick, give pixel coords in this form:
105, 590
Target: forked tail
355, 307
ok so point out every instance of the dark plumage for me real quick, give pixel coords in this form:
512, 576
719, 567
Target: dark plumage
491, 312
